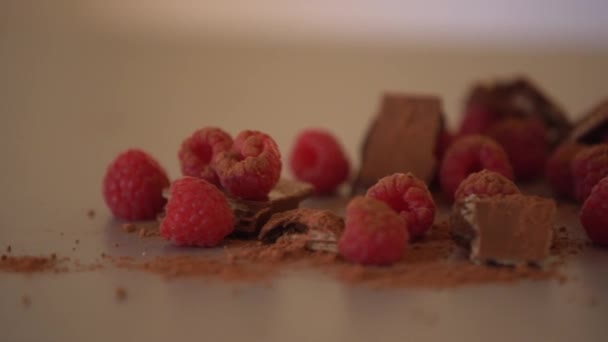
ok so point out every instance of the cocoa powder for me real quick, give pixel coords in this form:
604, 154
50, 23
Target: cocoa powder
432, 262
31, 264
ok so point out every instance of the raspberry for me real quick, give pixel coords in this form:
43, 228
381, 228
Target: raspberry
588, 167
251, 168
410, 197
471, 154
526, 144
594, 214
374, 234
318, 158
485, 183
477, 120
197, 152
133, 186
558, 170
197, 214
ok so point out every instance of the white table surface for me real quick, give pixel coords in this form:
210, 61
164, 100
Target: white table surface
71, 98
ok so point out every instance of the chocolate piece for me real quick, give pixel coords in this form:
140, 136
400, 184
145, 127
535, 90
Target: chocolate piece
402, 138
506, 230
593, 127
251, 215
319, 228
522, 98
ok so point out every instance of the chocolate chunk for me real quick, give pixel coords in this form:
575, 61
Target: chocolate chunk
506, 230
593, 127
520, 97
319, 228
251, 215
402, 138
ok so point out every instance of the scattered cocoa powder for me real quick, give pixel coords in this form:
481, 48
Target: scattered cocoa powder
91, 213
143, 230
31, 264
129, 227
26, 301
121, 294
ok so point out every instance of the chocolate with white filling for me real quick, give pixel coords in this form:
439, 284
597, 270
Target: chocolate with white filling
508, 230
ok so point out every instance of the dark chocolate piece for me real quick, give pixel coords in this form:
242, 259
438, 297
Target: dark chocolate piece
317, 224
593, 127
251, 215
522, 98
402, 138
508, 230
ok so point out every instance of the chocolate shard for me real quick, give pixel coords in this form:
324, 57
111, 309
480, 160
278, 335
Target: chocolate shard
593, 127
252, 215
506, 230
522, 98
319, 228
402, 138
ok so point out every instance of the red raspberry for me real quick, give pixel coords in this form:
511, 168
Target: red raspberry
251, 168
133, 186
197, 152
318, 158
410, 197
526, 144
594, 214
485, 183
471, 154
374, 234
477, 120
588, 167
197, 214
559, 171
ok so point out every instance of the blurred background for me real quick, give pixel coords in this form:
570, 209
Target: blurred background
81, 81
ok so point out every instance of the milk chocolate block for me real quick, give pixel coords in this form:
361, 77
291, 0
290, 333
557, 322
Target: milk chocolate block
593, 127
507, 230
520, 97
402, 138
252, 215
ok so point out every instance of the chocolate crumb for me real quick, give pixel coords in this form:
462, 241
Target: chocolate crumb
26, 301
91, 213
77, 241
53, 256
129, 227
4, 257
73, 249
116, 244
121, 294
8, 249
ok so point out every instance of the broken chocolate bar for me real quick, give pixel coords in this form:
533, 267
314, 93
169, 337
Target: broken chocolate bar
251, 215
593, 127
319, 228
402, 138
520, 97
506, 230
